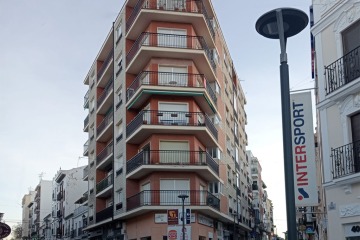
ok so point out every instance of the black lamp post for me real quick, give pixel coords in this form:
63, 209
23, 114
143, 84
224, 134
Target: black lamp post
183, 197
280, 24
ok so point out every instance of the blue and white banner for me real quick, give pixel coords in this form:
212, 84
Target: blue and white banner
303, 149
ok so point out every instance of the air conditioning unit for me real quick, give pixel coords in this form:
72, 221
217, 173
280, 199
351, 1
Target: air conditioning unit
212, 201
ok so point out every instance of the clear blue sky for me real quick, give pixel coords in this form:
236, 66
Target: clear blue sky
46, 50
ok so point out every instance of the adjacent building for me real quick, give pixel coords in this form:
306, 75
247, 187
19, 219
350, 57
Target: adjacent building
336, 32
67, 187
166, 118
27, 214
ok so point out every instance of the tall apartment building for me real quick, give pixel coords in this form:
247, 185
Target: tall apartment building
166, 118
26, 214
336, 32
67, 187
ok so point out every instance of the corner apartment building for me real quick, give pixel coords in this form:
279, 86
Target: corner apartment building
337, 45
67, 187
166, 118
26, 214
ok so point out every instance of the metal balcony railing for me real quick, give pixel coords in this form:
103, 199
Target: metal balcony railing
86, 99
107, 151
104, 214
170, 198
59, 196
170, 41
192, 6
105, 93
106, 182
342, 71
171, 157
104, 123
86, 121
173, 118
170, 79
105, 64
345, 159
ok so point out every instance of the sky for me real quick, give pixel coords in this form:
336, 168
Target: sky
46, 50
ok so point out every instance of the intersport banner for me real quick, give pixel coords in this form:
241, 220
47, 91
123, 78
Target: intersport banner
303, 149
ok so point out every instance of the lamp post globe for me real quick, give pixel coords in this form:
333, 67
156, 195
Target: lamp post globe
282, 23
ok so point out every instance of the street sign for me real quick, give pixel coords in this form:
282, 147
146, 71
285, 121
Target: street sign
5, 230
173, 216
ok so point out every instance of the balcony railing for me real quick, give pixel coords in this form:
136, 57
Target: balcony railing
345, 160
196, 6
172, 118
170, 41
107, 151
105, 122
343, 71
105, 64
105, 93
171, 157
59, 196
170, 198
104, 214
106, 182
86, 99
170, 79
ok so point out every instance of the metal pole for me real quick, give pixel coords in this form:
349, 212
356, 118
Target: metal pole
183, 218
286, 125
234, 227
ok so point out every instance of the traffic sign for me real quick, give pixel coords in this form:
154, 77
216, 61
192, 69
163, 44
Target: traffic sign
5, 230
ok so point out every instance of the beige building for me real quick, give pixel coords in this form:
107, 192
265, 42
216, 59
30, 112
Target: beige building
27, 214
337, 60
166, 118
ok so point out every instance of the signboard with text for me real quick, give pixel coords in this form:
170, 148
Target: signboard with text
303, 150
173, 216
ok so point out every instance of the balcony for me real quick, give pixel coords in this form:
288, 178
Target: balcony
103, 72
343, 71
86, 148
149, 122
105, 100
105, 157
345, 160
86, 99
59, 196
194, 11
86, 173
104, 130
169, 83
86, 123
102, 187
146, 162
104, 214
161, 199
157, 45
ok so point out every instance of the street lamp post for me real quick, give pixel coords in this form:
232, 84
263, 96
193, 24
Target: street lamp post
183, 197
280, 24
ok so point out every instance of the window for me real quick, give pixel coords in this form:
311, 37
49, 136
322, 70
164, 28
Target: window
119, 197
351, 37
215, 187
119, 131
145, 188
215, 153
174, 184
173, 113
118, 164
92, 105
119, 62
119, 97
174, 152
355, 130
173, 76
118, 33
172, 38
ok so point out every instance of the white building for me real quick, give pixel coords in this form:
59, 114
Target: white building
40, 207
337, 46
68, 186
26, 214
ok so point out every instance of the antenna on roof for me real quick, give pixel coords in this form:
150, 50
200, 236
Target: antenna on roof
41, 175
